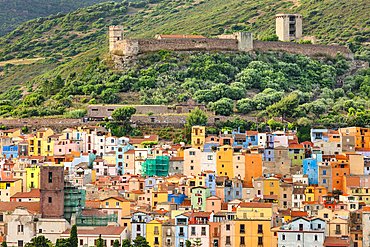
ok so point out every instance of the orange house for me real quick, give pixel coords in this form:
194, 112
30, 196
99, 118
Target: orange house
362, 136
320, 191
253, 166
340, 168
334, 136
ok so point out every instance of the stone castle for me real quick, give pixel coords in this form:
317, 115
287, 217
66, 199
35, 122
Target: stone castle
288, 28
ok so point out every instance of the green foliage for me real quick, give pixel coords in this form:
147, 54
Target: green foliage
123, 113
99, 242
39, 241
274, 125
79, 113
116, 243
223, 107
108, 96
34, 100
188, 243
73, 236
150, 113
244, 105
271, 37
285, 107
63, 242
93, 102
149, 144
3, 244
140, 241
84, 100
196, 117
126, 243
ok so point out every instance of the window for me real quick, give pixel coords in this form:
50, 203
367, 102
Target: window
326, 216
31, 175
213, 203
203, 231
316, 238
1, 217
242, 240
191, 167
156, 241
81, 242
20, 243
227, 227
319, 226
324, 172
228, 240
191, 153
50, 200
20, 228
210, 157
242, 228
50, 177
324, 181
40, 230
193, 230
299, 237
260, 241
260, 229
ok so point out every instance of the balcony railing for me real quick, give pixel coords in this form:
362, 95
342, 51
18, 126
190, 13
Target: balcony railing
260, 231
242, 231
338, 231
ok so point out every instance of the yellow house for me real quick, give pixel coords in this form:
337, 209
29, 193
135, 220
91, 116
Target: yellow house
158, 197
271, 188
9, 187
225, 161
12, 133
252, 232
154, 233
40, 142
20, 172
33, 178
310, 194
329, 214
198, 136
254, 210
116, 205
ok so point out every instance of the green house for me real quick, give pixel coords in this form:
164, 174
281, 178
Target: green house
198, 197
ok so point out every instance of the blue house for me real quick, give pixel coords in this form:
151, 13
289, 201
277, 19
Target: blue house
269, 154
120, 157
233, 190
10, 151
310, 168
239, 140
319, 135
269, 140
181, 229
211, 183
208, 147
150, 182
176, 198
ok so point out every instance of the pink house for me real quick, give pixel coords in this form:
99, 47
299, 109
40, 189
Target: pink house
65, 147
213, 204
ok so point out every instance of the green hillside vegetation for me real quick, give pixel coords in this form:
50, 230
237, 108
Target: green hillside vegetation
16, 12
77, 70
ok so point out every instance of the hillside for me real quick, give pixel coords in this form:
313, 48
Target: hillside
66, 47
64, 36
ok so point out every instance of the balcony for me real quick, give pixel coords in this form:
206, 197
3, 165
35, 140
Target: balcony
260, 243
338, 231
291, 22
260, 231
181, 234
242, 231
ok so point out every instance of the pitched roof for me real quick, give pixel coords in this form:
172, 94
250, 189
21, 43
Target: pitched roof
32, 207
254, 205
108, 230
116, 198
296, 146
337, 241
35, 193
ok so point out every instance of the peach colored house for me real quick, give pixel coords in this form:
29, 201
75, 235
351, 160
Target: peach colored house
192, 160
64, 147
129, 162
213, 204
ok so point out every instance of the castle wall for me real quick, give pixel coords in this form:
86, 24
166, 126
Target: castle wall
304, 49
148, 45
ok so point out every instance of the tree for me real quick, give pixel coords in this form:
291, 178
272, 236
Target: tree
3, 244
356, 121
108, 96
244, 105
39, 241
223, 107
285, 107
187, 243
126, 243
318, 108
34, 99
116, 243
197, 242
274, 124
63, 242
196, 117
99, 242
73, 236
123, 113
140, 241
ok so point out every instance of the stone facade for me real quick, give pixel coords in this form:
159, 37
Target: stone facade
176, 166
288, 26
52, 192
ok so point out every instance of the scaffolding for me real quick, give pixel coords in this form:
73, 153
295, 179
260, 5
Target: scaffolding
95, 220
74, 200
156, 167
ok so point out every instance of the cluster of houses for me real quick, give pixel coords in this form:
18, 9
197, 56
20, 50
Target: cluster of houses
232, 189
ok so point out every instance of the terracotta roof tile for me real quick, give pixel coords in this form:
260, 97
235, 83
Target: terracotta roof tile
108, 230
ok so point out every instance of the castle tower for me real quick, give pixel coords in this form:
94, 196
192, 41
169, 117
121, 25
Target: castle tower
115, 34
52, 192
288, 26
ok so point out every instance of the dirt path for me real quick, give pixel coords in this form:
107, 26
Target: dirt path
21, 61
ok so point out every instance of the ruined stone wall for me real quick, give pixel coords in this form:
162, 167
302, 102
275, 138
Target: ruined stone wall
148, 45
304, 49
